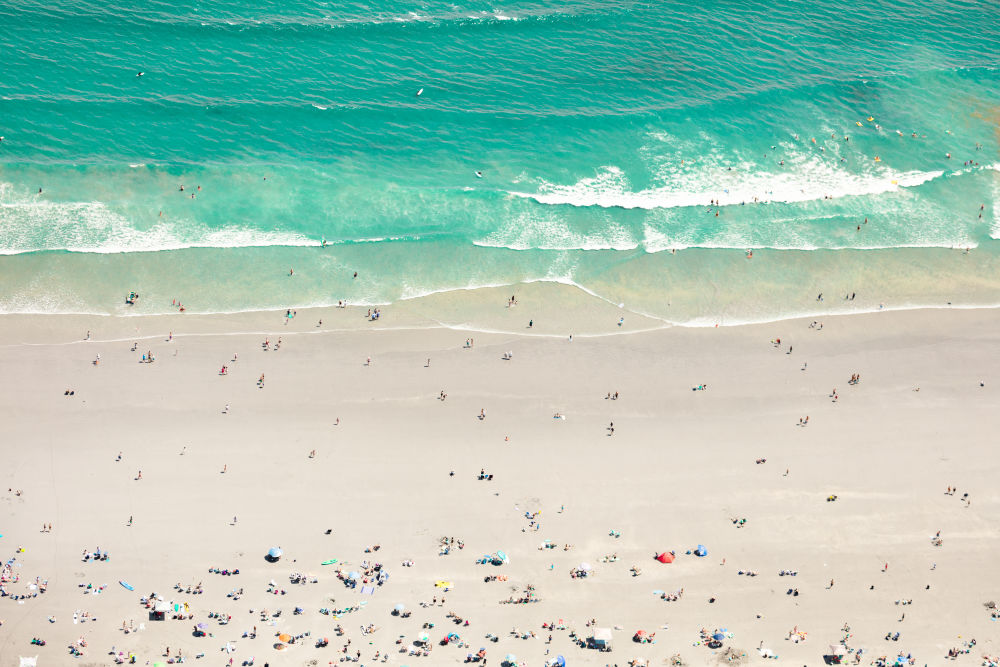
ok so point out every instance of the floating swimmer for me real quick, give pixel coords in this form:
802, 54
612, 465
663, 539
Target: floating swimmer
479, 174
858, 123
420, 92
871, 118
878, 159
141, 74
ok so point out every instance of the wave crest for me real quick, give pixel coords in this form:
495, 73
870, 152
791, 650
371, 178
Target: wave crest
610, 188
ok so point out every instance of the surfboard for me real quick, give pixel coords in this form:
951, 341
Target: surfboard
329, 562
127, 585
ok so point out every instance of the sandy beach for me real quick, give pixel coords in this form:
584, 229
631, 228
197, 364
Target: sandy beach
764, 452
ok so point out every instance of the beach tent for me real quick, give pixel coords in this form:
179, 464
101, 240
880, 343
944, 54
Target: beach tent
354, 574
29, 662
601, 638
701, 551
160, 610
665, 557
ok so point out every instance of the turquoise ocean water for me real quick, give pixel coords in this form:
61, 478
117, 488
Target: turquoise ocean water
602, 130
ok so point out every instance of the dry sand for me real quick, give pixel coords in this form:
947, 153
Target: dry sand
679, 468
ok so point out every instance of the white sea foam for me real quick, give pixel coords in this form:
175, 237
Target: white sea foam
30, 224
995, 227
655, 240
548, 231
609, 188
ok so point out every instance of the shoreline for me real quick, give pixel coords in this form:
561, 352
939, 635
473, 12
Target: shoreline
418, 313
691, 288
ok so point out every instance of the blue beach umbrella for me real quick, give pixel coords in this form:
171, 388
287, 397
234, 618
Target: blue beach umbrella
718, 636
275, 552
502, 556
560, 661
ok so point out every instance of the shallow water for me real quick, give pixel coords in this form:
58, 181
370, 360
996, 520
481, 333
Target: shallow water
602, 130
